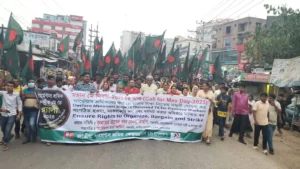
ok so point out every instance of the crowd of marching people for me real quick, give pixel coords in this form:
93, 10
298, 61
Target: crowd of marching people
19, 100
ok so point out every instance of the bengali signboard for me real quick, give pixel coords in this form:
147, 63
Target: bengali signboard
81, 117
36, 39
255, 77
285, 72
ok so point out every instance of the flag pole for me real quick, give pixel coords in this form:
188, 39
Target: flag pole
2, 48
133, 64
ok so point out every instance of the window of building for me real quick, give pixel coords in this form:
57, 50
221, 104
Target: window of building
41, 26
227, 42
63, 28
228, 29
242, 27
240, 40
258, 24
52, 27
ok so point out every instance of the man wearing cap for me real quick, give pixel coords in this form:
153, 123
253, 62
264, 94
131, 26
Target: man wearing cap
149, 87
124, 81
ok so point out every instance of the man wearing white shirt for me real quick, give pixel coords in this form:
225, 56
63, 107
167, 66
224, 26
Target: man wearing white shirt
149, 87
51, 83
11, 102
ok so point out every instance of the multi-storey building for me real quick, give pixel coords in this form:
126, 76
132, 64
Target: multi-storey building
61, 25
127, 38
232, 33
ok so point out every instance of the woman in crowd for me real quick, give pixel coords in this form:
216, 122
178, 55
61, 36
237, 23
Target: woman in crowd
174, 90
185, 92
164, 89
194, 92
105, 87
208, 94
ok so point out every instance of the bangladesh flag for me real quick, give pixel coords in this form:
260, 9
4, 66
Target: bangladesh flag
205, 64
97, 61
81, 60
186, 66
87, 63
173, 57
117, 63
151, 47
109, 59
28, 70
159, 64
14, 33
11, 61
78, 40
217, 71
64, 47
134, 59
124, 66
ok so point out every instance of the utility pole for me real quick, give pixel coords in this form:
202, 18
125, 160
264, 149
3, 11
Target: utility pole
92, 34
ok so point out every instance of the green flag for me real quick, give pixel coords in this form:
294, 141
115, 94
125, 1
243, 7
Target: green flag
81, 60
173, 57
108, 59
134, 59
124, 68
87, 63
64, 46
217, 71
28, 70
117, 63
151, 47
159, 64
98, 55
78, 40
186, 66
14, 33
205, 64
11, 61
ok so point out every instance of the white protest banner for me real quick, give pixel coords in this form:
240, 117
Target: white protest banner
81, 117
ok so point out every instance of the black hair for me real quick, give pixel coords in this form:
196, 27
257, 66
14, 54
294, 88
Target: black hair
85, 73
251, 96
173, 76
40, 80
125, 74
205, 83
110, 77
50, 77
185, 88
242, 85
97, 74
225, 88
59, 79
281, 95
264, 94
11, 82
273, 96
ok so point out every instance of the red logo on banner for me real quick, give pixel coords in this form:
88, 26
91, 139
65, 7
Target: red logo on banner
68, 135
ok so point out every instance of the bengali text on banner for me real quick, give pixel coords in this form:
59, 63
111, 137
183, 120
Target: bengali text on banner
80, 117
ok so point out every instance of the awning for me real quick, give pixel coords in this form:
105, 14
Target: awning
37, 58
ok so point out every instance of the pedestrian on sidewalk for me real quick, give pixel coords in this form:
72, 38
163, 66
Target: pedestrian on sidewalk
11, 102
260, 115
223, 102
240, 111
274, 114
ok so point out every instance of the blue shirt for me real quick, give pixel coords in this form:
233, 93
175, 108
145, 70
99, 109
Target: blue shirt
223, 106
84, 87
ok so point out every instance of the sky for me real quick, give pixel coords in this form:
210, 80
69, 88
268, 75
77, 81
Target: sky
149, 16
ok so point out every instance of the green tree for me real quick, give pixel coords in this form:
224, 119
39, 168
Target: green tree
281, 40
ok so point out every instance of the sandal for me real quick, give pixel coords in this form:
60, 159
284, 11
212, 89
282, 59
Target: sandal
5, 148
208, 141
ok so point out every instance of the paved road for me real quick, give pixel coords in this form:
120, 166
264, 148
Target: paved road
137, 154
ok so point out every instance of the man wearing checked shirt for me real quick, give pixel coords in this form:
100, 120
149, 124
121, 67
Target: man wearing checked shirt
223, 102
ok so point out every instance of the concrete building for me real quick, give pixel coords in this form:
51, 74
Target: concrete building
127, 38
61, 26
230, 34
195, 46
206, 31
